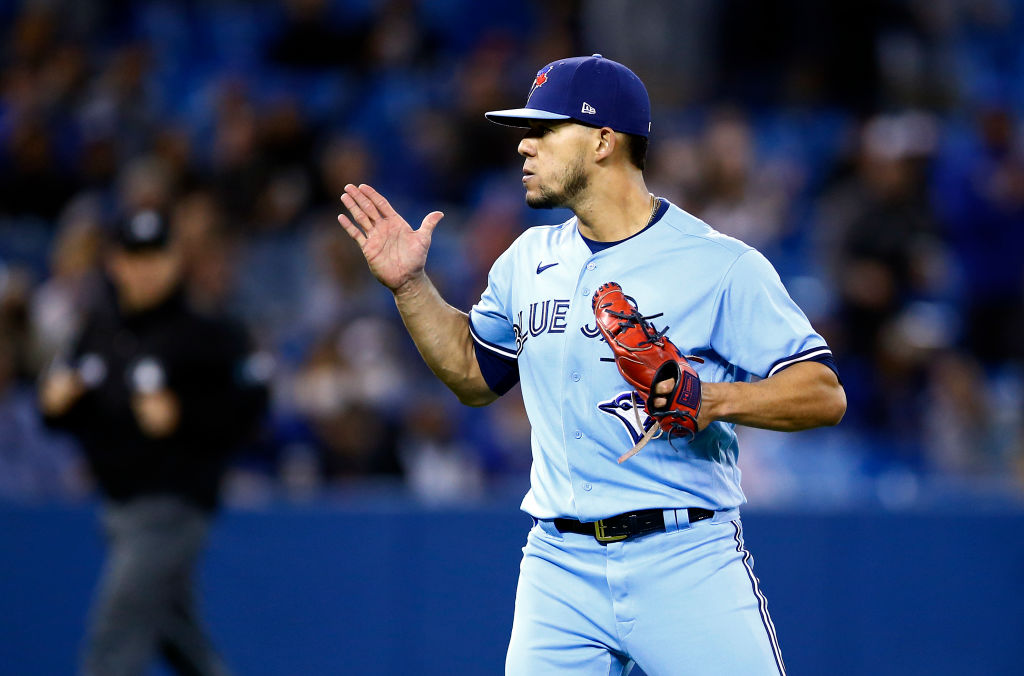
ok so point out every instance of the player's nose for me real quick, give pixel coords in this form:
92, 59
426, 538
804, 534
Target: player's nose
527, 148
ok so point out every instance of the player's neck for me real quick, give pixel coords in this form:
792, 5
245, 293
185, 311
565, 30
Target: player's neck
615, 211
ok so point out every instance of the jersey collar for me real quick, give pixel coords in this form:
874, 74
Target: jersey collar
596, 246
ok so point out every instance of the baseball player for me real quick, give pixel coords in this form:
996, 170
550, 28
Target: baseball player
634, 557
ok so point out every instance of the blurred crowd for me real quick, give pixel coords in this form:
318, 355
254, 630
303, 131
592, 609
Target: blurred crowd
874, 151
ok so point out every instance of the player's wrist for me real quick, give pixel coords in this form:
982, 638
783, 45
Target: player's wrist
411, 288
716, 402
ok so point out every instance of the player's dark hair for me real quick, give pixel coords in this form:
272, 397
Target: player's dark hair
637, 146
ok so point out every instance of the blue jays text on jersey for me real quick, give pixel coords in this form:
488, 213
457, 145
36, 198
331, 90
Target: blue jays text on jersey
722, 301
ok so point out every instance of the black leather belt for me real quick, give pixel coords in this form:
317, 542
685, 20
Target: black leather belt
623, 526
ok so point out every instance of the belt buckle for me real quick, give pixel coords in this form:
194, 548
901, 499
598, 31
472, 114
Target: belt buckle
599, 534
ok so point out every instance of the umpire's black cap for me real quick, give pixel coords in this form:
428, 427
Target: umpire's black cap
146, 230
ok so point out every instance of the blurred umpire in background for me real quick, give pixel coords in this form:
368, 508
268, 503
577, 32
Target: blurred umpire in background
158, 396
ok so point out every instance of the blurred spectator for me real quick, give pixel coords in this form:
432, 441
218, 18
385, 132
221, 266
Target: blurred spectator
35, 464
676, 169
74, 281
882, 241
456, 147
158, 396
343, 160
286, 145
240, 172
15, 290
121, 102
207, 251
32, 182
439, 465
337, 288
399, 39
349, 389
741, 196
878, 228
960, 422
981, 191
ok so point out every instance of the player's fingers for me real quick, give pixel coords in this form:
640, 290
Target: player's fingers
352, 229
665, 386
430, 222
368, 207
358, 215
379, 201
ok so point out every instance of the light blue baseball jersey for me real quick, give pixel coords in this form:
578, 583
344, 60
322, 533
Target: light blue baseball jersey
722, 301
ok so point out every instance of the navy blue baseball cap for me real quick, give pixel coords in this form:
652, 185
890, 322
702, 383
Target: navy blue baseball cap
589, 89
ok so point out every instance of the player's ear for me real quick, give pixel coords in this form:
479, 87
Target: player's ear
605, 143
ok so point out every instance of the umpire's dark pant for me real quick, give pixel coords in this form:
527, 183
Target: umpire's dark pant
146, 601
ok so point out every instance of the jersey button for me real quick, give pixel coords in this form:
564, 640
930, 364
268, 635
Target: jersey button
578, 434
585, 292
587, 486
591, 266
575, 376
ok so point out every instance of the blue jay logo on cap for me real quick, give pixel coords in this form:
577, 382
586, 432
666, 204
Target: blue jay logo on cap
542, 77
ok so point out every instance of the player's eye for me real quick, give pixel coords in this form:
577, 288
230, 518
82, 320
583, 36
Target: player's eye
538, 131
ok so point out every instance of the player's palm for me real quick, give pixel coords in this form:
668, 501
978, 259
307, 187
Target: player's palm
394, 251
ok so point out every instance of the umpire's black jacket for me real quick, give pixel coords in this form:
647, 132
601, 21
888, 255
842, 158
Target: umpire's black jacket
204, 361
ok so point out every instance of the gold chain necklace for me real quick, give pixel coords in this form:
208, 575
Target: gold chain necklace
654, 209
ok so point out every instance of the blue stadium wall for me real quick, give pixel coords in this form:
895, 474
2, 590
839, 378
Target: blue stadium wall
403, 589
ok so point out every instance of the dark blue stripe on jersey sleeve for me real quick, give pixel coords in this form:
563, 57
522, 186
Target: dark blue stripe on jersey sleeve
500, 372
827, 359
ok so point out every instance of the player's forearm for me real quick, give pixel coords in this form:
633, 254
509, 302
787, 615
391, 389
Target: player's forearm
803, 396
441, 334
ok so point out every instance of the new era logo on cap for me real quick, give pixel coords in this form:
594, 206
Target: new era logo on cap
590, 89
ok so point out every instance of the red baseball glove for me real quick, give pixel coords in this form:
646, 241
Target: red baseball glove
646, 357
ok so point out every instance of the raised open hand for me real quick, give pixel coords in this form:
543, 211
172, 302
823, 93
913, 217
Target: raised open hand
394, 251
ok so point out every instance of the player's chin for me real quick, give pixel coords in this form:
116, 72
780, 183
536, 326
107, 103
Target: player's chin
542, 199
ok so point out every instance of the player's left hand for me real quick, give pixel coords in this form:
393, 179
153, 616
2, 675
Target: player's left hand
708, 392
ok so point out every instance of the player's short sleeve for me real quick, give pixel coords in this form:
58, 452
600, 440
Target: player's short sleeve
493, 332
757, 326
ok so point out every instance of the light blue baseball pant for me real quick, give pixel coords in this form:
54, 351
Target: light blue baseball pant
679, 603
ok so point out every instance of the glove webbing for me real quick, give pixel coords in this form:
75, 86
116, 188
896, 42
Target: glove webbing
634, 318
